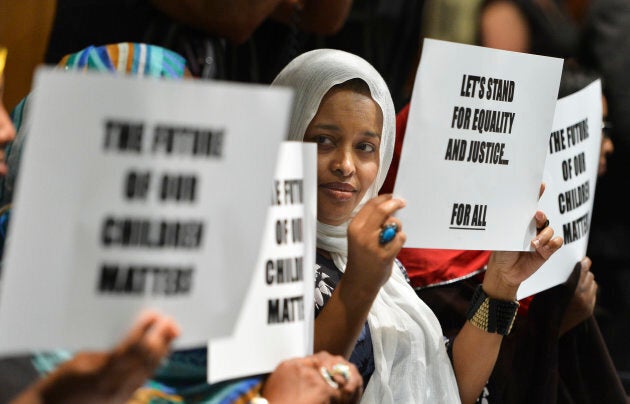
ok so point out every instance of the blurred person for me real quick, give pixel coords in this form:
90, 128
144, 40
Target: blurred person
240, 40
541, 27
607, 38
18, 371
140, 368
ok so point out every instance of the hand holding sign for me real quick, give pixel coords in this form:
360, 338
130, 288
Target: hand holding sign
474, 147
508, 269
300, 380
570, 175
145, 215
112, 376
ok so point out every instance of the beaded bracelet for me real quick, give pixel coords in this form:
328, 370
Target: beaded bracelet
492, 315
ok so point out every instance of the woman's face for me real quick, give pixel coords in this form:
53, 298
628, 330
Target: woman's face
347, 129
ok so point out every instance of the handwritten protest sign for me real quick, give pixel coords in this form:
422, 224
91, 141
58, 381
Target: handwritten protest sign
570, 178
137, 193
278, 308
474, 148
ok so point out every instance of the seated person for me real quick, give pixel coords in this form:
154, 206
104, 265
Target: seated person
367, 311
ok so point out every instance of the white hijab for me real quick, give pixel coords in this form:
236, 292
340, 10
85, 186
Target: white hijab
411, 364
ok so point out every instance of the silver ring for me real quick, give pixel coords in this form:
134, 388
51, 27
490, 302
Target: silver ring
326, 375
343, 370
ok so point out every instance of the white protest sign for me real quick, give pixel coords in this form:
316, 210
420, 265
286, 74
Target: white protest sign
137, 193
276, 319
570, 178
474, 149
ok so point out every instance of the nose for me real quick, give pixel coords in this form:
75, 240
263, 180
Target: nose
343, 163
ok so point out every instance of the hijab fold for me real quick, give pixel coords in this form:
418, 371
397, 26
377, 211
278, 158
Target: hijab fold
411, 363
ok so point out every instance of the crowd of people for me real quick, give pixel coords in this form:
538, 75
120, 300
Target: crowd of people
392, 324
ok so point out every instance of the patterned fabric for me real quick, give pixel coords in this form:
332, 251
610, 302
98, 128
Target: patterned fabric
133, 58
171, 387
327, 276
239, 391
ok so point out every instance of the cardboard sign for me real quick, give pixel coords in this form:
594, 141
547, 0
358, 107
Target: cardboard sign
475, 146
276, 320
137, 193
570, 178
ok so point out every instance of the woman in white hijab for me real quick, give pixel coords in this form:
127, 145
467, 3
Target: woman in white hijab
344, 106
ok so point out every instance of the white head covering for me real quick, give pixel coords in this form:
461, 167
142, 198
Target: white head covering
411, 364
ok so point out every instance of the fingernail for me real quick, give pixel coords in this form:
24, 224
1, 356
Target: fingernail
536, 242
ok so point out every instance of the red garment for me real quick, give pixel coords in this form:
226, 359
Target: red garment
425, 266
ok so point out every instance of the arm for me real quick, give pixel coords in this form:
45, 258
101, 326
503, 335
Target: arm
503, 26
108, 377
474, 350
369, 266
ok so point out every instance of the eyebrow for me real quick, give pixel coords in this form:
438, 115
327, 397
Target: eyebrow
335, 128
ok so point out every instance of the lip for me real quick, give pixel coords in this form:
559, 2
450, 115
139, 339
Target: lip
341, 191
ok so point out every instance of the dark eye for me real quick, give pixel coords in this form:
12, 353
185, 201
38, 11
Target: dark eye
366, 147
322, 139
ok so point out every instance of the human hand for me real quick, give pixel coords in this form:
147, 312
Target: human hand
508, 269
108, 377
582, 302
301, 380
369, 262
